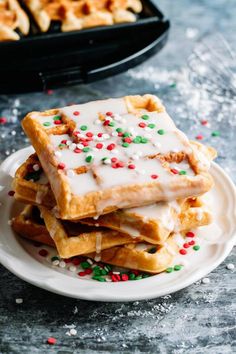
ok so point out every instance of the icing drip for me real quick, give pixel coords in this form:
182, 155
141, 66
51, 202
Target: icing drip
98, 247
40, 195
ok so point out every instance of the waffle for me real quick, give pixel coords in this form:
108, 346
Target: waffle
154, 223
143, 256
73, 239
90, 155
79, 14
12, 17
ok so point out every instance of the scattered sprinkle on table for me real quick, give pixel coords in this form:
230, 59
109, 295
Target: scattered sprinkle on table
230, 266
19, 301
215, 133
205, 280
51, 340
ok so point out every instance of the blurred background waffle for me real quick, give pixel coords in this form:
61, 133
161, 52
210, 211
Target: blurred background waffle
71, 42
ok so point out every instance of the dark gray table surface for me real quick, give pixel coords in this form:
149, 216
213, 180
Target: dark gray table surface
199, 319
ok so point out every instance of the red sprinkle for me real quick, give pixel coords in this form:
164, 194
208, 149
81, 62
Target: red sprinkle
191, 243
132, 167
182, 251
81, 274
63, 141
114, 165
114, 159
120, 164
127, 140
57, 122
77, 150
190, 234
51, 340
173, 170
113, 278
111, 146
142, 125
204, 122
99, 146
49, 92
67, 260
186, 245
76, 113
76, 133
124, 277
89, 134
3, 120
85, 143
76, 261
43, 253
154, 176
100, 135
199, 137
109, 114
120, 134
88, 271
11, 193
135, 271
106, 122
61, 166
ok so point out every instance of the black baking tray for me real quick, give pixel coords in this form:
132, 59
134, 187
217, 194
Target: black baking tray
55, 59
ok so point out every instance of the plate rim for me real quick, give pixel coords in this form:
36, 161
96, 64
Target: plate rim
99, 294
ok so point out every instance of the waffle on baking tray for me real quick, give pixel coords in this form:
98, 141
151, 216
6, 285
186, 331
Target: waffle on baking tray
79, 14
112, 180
12, 18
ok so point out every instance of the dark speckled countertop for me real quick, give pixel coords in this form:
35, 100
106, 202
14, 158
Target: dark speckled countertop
199, 319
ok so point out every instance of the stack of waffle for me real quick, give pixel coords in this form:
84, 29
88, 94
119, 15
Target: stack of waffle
70, 14
114, 180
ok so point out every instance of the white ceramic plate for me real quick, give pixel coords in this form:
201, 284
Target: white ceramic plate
22, 259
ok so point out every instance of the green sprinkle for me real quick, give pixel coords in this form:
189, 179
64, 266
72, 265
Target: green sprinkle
83, 127
146, 275
169, 270
139, 277
97, 268
196, 248
152, 250
54, 259
177, 267
182, 172
144, 140
89, 159
119, 130
131, 276
151, 125
107, 267
161, 131
126, 135
61, 146
97, 272
103, 272
35, 176
145, 117
57, 118
125, 145
85, 265
215, 133
112, 124
173, 85
137, 140
47, 124
86, 149
98, 278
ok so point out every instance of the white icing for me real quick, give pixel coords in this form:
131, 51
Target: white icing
98, 247
130, 230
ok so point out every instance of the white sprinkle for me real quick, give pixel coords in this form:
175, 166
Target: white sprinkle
70, 173
95, 149
13, 132
36, 167
205, 280
13, 150
107, 161
56, 262
98, 122
114, 134
19, 301
116, 272
96, 217
230, 266
16, 103
73, 331
191, 32
80, 146
135, 157
57, 153
62, 264
75, 311
7, 152
72, 146
3, 136
89, 261
97, 225
15, 111
106, 136
68, 142
9, 222
72, 268
117, 117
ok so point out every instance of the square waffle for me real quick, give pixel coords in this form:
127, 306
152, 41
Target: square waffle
79, 14
116, 153
143, 256
12, 17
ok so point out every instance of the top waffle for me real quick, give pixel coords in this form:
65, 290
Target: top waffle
116, 153
78, 14
12, 17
